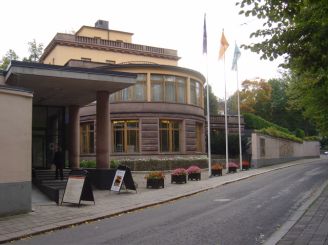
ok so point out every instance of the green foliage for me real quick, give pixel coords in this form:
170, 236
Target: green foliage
213, 102
311, 138
5, 61
218, 144
114, 163
255, 122
35, 51
272, 131
299, 133
296, 30
88, 164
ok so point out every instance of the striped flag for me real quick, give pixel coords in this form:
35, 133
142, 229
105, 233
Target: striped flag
236, 56
223, 47
204, 37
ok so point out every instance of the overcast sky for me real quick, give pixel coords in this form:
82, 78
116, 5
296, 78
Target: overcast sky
174, 24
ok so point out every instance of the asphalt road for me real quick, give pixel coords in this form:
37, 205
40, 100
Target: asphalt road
240, 213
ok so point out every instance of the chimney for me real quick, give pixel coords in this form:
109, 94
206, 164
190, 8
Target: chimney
103, 24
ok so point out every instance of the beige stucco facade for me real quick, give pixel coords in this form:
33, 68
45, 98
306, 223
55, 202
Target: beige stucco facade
15, 150
88, 31
60, 55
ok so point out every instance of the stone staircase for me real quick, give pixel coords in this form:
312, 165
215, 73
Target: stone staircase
44, 180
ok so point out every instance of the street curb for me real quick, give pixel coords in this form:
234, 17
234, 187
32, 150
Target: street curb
98, 217
283, 230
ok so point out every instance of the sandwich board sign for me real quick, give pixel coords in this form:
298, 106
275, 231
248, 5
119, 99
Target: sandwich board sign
77, 189
123, 176
118, 180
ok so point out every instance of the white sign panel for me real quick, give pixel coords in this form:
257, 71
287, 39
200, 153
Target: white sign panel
73, 189
118, 179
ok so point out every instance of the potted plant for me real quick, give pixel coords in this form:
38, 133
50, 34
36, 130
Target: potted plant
155, 179
194, 173
216, 169
179, 176
245, 165
232, 167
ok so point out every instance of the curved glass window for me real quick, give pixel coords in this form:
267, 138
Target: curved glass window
195, 92
125, 136
168, 88
136, 92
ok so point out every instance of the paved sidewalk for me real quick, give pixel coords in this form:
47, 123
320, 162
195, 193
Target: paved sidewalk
48, 216
312, 227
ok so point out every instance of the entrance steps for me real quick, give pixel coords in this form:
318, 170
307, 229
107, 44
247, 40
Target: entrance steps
44, 180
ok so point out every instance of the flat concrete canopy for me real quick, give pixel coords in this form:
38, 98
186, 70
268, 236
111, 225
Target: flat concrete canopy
65, 86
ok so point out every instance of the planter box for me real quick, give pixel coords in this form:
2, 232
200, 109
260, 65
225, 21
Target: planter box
216, 172
179, 179
194, 176
155, 183
232, 170
245, 167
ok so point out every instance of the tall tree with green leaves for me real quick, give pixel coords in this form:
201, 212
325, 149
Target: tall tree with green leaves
296, 30
35, 50
10, 55
213, 102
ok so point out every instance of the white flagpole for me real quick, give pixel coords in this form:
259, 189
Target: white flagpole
225, 114
239, 129
208, 122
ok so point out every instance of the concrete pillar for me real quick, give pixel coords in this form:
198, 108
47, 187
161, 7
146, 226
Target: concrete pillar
74, 137
102, 130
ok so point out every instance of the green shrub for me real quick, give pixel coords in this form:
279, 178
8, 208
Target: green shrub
88, 164
255, 122
311, 138
218, 144
279, 134
299, 133
114, 163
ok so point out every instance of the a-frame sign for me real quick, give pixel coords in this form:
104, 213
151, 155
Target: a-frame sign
123, 176
78, 188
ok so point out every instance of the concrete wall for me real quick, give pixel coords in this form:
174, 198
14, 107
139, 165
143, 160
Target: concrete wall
15, 151
267, 150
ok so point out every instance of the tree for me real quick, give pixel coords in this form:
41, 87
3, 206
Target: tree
296, 30
35, 51
10, 55
213, 102
255, 97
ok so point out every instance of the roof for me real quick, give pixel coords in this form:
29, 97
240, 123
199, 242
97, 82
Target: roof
54, 85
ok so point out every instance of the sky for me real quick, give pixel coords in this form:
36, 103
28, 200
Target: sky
173, 24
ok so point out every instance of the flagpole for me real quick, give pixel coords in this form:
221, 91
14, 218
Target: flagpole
208, 122
225, 114
239, 129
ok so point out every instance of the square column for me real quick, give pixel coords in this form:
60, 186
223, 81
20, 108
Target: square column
74, 137
102, 130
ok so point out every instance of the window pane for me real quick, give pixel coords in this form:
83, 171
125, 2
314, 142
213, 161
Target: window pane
157, 91
181, 85
139, 91
193, 92
175, 141
164, 140
170, 91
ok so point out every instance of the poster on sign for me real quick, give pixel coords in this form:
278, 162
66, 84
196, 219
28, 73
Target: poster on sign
118, 180
73, 190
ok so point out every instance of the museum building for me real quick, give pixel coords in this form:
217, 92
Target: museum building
161, 115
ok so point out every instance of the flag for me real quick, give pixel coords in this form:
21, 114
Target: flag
236, 56
223, 47
204, 37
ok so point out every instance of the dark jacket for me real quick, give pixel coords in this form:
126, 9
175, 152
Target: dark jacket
58, 159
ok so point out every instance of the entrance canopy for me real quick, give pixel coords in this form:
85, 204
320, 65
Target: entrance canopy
64, 86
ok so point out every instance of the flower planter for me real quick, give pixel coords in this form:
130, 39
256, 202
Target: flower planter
155, 183
194, 176
179, 179
216, 172
232, 170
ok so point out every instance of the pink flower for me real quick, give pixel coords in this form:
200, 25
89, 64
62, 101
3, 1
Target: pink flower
179, 171
193, 169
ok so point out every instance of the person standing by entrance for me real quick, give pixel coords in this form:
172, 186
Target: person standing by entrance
59, 162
